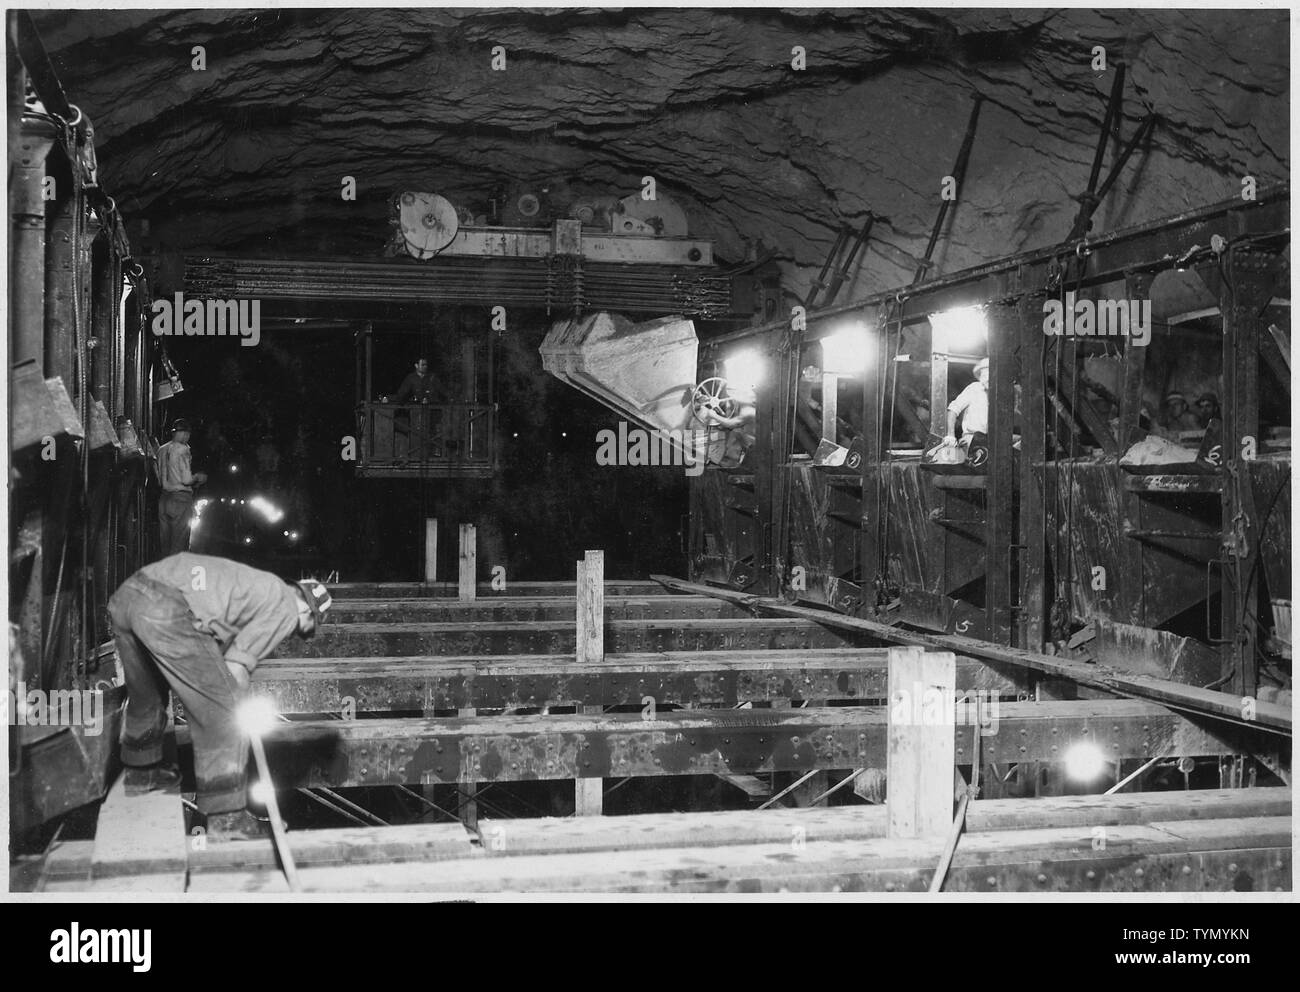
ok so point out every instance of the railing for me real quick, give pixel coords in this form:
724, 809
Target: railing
426, 439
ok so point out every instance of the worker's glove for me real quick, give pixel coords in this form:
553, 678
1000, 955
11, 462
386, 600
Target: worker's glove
200, 477
950, 439
239, 673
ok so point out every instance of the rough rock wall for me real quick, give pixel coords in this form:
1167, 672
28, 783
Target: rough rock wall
249, 154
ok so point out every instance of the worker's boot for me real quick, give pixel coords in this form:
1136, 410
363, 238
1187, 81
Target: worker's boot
239, 824
152, 778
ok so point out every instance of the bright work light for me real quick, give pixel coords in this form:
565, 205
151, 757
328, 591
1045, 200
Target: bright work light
745, 370
847, 351
961, 331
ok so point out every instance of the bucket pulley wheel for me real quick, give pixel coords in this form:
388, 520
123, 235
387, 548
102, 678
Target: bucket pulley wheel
710, 397
428, 222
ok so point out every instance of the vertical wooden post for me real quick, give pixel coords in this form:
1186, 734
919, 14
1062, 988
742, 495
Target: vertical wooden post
591, 608
580, 615
921, 748
870, 569
588, 796
60, 259
939, 382
1033, 457
1130, 580
830, 407
431, 550
761, 459
1003, 333
468, 563
1242, 298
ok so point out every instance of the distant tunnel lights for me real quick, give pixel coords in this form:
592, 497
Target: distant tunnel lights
271, 512
962, 331
847, 351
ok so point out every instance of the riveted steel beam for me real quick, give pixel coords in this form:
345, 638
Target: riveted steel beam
689, 679
501, 749
525, 608
559, 637
435, 590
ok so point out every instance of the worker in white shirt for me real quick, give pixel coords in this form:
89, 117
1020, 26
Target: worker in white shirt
972, 407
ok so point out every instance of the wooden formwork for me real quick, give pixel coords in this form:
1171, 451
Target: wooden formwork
818, 716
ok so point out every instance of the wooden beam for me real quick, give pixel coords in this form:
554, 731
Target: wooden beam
1221, 705
140, 842
919, 768
1176, 855
751, 785
468, 563
588, 796
431, 550
591, 608
68, 862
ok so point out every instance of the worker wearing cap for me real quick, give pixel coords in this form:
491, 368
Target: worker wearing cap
1177, 417
200, 625
176, 504
971, 406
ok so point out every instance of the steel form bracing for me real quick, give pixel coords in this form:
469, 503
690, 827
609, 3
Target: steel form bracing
631, 287
1004, 509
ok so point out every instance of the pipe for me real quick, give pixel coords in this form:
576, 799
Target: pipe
27, 222
1129, 778
278, 837
790, 788
959, 175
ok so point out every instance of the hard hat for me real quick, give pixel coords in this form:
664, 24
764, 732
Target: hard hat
180, 424
980, 366
317, 597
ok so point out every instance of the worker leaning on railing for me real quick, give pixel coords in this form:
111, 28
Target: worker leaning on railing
417, 387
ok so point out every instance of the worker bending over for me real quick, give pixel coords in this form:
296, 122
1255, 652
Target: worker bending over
200, 625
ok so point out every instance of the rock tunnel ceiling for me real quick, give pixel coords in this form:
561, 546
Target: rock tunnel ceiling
249, 154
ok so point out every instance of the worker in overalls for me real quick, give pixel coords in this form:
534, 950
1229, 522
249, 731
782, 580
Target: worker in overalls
200, 625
